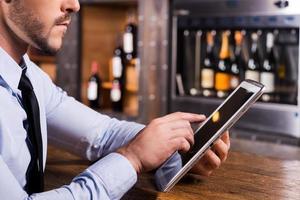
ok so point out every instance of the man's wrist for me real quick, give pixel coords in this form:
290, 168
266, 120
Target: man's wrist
133, 159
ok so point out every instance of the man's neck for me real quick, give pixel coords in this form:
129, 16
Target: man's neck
10, 43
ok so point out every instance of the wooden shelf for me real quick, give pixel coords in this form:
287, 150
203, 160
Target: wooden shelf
129, 88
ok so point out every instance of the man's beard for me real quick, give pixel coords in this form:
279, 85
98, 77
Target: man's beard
30, 24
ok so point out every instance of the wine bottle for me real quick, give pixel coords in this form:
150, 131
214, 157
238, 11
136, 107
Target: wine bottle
287, 70
222, 77
130, 38
197, 63
253, 66
94, 87
236, 60
188, 59
267, 75
116, 96
118, 60
118, 84
208, 66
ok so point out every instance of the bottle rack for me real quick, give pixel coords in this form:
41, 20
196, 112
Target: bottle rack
279, 117
98, 43
192, 56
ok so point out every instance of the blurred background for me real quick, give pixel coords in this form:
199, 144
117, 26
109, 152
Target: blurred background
141, 59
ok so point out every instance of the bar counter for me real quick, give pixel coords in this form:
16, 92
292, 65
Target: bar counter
242, 176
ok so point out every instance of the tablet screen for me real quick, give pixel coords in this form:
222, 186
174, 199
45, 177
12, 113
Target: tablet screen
173, 165
203, 135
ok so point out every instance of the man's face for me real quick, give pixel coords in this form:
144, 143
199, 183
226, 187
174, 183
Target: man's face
40, 23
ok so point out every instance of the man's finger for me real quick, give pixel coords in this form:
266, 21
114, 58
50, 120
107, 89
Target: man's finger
212, 160
226, 139
183, 133
181, 144
221, 149
177, 124
200, 169
182, 115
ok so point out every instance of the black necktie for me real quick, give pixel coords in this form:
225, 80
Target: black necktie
34, 174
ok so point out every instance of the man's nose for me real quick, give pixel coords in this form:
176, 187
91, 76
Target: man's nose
71, 6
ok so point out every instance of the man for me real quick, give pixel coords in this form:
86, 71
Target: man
33, 110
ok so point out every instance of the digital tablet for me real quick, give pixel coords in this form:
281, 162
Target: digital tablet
233, 107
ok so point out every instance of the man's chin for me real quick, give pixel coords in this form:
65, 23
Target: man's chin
48, 50
49, 47
51, 51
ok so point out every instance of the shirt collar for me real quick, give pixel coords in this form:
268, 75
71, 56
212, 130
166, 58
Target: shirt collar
11, 71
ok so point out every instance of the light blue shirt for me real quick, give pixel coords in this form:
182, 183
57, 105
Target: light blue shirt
66, 123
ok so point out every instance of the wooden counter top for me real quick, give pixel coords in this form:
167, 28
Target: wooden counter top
243, 176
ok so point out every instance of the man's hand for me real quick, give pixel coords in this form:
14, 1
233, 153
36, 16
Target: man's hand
160, 139
214, 157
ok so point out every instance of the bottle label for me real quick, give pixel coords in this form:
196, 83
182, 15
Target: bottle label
117, 67
234, 81
128, 42
268, 79
115, 93
92, 92
221, 65
251, 64
252, 75
207, 78
222, 81
270, 40
221, 94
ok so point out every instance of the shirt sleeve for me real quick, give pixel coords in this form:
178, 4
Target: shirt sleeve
108, 178
81, 130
